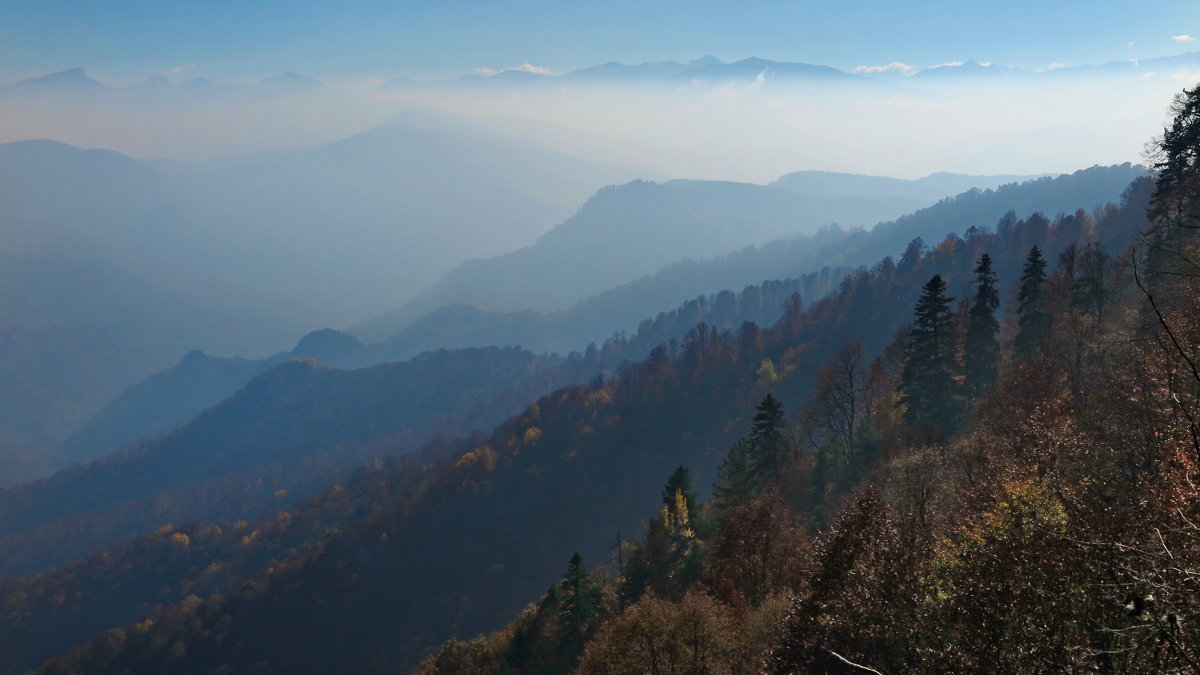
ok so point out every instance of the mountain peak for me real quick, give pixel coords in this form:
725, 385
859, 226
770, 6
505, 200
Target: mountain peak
72, 78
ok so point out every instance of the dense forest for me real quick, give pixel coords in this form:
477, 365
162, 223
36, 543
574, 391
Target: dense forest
301, 424
987, 495
873, 503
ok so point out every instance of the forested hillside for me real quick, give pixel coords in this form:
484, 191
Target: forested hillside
996, 493
170, 399
790, 256
499, 516
300, 424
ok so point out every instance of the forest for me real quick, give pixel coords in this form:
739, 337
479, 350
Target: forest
976, 457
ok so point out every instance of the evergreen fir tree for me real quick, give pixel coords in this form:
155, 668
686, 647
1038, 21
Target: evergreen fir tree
1032, 320
982, 350
680, 481
736, 479
578, 602
771, 444
927, 377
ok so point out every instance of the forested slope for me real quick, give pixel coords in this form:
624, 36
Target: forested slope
496, 520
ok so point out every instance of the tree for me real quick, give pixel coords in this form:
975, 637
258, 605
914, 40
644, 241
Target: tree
770, 443
681, 482
838, 402
695, 635
1033, 322
927, 378
756, 551
793, 313
1090, 287
754, 461
736, 478
578, 604
1177, 160
981, 354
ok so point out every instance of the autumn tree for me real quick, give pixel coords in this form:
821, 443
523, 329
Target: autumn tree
862, 600
669, 559
756, 551
829, 423
657, 636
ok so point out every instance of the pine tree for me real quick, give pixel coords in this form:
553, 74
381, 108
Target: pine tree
736, 477
754, 461
982, 350
1177, 160
771, 444
681, 482
1033, 323
578, 602
927, 377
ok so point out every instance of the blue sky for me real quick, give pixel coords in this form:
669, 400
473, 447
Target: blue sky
132, 39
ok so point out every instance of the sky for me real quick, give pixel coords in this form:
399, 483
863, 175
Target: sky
346, 41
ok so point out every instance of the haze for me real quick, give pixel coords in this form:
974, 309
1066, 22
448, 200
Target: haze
735, 130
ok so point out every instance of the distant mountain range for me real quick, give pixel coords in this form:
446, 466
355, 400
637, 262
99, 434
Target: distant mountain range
112, 267
635, 308
633, 230
707, 70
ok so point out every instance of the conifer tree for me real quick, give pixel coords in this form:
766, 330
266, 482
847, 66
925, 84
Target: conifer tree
754, 461
1032, 320
981, 353
771, 444
578, 601
927, 377
680, 482
1177, 160
736, 479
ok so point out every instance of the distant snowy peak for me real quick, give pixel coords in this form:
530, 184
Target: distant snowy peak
965, 69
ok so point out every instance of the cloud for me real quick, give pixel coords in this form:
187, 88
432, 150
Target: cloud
1185, 75
1056, 65
1183, 38
948, 64
530, 68
180, 70
524, 68
893, 67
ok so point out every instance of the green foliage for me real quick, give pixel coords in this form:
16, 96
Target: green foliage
578, 603
1033, 322
737, 478
981, 351
927, 380
754, 462
770, 442
1177, 160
